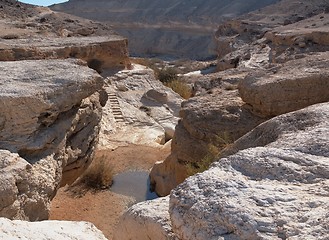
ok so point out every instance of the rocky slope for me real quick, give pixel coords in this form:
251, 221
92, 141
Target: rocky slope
286, 30
140, 109
171, 28
274, 73
274, 189
20, 20
270, 183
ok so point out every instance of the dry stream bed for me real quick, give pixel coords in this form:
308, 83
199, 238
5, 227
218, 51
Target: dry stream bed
105, 207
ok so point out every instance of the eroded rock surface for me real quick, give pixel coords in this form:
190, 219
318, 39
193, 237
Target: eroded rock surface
295, 85
209, 122
277, 56
140, 109
278, 191
48, 230
98, 51
147, 220
284, 31
50, 114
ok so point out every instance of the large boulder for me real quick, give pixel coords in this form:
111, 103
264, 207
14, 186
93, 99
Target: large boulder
49, 121
209, 122
146, 220
61, 230
278, 191
295, 85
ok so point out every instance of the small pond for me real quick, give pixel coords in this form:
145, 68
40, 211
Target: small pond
135, 184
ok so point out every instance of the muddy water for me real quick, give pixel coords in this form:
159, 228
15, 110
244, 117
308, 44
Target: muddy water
135, 184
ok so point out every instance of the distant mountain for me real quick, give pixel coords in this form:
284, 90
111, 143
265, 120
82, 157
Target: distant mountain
181, 28
198, 12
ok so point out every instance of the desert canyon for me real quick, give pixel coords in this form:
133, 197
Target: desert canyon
245, 156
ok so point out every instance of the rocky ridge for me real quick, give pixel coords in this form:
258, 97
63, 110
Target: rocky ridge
99, 52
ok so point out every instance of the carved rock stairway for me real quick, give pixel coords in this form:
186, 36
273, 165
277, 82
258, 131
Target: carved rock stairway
115, 107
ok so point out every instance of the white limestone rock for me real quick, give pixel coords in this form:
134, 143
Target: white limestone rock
208, 122
146, 220
145, 113
59, 230
279, 191
294, 85
49, 122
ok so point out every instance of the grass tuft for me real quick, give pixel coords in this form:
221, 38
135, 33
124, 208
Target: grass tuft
220, 142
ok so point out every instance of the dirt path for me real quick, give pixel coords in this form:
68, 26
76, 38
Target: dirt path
104, 208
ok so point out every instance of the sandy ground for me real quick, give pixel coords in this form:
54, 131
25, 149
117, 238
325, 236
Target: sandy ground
104, 208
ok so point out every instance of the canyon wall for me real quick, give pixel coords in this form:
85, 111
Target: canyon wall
50, 114
51, 108
182, 29
99, 52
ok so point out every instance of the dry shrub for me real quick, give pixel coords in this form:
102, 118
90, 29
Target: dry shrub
167, 75
221, 141
148, 62
98, 176
205, 162
180, 87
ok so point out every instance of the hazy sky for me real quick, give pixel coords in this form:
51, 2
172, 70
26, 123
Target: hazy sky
42, 2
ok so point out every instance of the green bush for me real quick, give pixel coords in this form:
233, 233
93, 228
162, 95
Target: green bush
166, 75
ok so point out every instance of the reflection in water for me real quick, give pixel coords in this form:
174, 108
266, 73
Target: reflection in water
135, 184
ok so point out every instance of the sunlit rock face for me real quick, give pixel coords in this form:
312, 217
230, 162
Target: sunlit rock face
276, 188
50, 114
